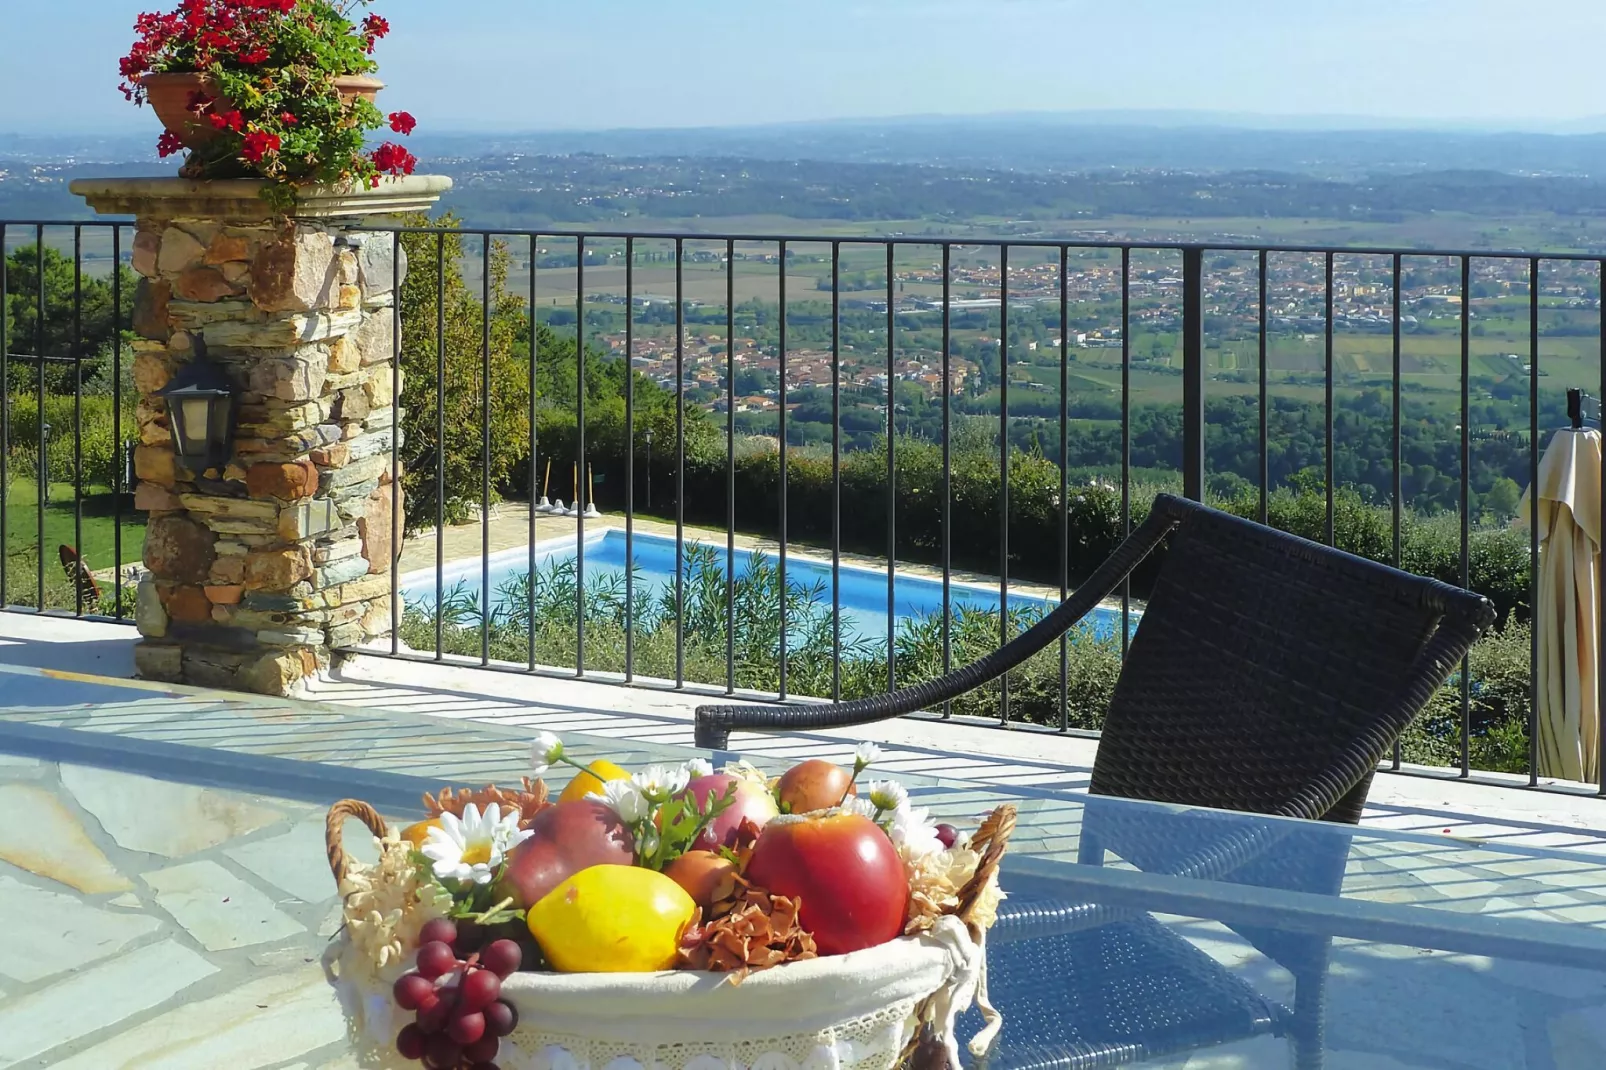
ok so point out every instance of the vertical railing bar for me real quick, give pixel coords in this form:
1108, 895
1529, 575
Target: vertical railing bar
1398, 490
1003, 475
1327, 399
680, 463
1126, 439
630, 460
117, 415
396, 524
440, 439
781, 416
5, 420
78, 406
1064, 459
1600, 623
892, 474
535, 458
947, 476
42, 475
582, 474
1193, 376
836, 471
730, 466
1265, 453
485, 448
1533, 521
1466, 532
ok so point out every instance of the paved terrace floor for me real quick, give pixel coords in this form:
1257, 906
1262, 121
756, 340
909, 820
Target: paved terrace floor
1493, 808
171, 857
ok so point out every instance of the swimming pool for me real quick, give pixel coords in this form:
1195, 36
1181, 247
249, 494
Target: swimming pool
863, 590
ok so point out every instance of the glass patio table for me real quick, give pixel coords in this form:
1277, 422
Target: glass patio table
167, 903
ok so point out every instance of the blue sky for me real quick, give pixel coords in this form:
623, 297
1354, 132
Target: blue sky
545, 64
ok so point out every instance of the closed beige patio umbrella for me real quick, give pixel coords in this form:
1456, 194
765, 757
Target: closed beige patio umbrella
1568, 609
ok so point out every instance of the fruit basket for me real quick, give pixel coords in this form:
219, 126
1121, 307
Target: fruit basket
675, 919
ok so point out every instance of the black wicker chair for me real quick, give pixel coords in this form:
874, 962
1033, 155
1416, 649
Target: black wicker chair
1268, 674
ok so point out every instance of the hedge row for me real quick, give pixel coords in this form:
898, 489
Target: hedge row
1497, 565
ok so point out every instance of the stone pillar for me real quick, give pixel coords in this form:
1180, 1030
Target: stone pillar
258, 572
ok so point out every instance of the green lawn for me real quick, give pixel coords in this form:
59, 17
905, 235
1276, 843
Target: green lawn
99, 525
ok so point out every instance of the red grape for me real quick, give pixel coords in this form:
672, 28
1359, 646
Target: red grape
443, 1053
443, 930
467, 1028
480, 989
410, 1042
410, 990
482, 1050
947, 835
433, 1014
502, 958
435, 958
500, 1018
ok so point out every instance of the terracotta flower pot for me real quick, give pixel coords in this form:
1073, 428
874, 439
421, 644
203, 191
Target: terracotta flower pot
169, 97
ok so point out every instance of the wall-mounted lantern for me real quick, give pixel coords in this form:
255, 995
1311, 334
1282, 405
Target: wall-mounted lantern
201, 409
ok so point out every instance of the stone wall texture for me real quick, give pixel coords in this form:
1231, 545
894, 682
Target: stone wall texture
260, 571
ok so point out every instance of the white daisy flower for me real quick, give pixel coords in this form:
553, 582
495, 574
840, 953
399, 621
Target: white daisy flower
697, 767
624, 799
887, 795
472, 847
660, 782
858, 804
865, 755
913, 832
545, 752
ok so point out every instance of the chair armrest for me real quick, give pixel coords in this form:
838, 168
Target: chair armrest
715, 723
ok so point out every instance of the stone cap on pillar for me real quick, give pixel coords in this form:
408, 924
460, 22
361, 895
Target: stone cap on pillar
240, 200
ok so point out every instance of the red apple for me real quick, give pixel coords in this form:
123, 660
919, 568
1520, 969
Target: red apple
753, 802
845, 870
814, 785
568, 837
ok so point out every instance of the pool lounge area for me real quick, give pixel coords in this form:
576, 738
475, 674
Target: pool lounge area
862, 594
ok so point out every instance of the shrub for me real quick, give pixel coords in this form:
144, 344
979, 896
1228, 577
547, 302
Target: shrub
1430, 546
1498, 709
98, 447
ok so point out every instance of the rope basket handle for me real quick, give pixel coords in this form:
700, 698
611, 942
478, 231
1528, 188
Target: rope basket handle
334, 830
990, 839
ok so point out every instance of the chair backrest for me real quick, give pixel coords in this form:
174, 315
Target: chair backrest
1271, 674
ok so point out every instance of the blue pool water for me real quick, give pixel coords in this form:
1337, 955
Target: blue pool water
863, 590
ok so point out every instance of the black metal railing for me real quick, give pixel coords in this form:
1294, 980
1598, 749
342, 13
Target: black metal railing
891, 398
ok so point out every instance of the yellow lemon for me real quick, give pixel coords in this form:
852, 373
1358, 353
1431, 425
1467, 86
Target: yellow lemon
591, 779
612, 919
416, 834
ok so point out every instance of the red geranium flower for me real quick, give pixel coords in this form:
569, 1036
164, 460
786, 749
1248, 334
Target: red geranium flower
168, 144
375, 26
259, 143
256, 55
392, 159
287, 119
402, 122
229, 120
